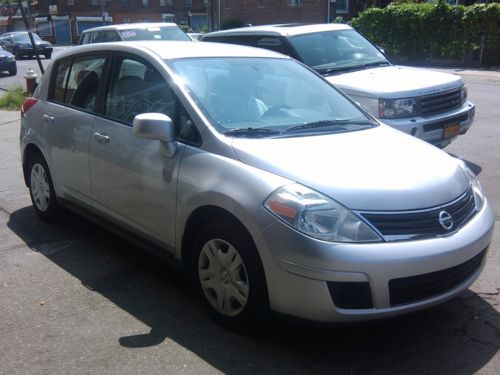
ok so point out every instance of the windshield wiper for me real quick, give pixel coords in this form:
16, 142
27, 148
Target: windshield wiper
376, 63
325, 123
335, 69
255, 132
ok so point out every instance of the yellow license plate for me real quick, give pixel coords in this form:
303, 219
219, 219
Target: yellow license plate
451, 130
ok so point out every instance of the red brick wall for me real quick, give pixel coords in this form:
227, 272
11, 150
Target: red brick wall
273, 11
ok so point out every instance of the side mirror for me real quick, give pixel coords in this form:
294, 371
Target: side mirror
156, 126
381, 49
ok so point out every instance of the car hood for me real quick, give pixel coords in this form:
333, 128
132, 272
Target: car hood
375, 169
395, 82
5, 54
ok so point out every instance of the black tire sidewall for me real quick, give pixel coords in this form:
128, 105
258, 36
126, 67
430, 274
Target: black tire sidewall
53, 209
256, 310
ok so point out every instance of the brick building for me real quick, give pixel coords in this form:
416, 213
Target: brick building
62, 21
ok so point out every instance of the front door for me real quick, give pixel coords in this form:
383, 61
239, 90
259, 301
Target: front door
133, 182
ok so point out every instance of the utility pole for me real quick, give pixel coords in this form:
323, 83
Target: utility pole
30, 34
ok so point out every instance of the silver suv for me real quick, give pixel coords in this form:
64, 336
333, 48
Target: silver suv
267, 185
430, 105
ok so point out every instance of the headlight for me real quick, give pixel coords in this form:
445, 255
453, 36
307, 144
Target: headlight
397, 108
479, 197
318, 216
463, 94
10, 58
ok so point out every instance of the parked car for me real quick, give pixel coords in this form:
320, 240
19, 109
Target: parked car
133, 32
19, 44
428, 104
7, 62
269, 186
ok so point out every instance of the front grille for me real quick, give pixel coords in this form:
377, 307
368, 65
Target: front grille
417, 288
441, 102
350, 295
396, 225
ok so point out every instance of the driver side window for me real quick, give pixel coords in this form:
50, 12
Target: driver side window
136, 87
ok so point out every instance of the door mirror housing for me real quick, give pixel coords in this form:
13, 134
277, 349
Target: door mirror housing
156, 126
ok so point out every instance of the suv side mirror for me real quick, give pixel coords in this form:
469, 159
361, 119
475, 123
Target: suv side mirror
156, 126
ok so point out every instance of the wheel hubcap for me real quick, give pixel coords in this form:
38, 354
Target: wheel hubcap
223, 277
40, 188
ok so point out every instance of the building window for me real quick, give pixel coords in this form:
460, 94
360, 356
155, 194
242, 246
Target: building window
94, 3
205, 3
189, 3
70, 2
294, 3
124, 3
126, 20
145, 3
342, 6
260, 4
166, 3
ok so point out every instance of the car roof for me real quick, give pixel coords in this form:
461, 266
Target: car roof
127, 26
175, 49
290, 29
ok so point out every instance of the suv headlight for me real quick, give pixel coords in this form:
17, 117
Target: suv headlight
397, 108
479, 197
10, 58
318, 216
463, 94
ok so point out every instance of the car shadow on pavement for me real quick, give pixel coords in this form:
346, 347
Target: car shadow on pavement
460, 336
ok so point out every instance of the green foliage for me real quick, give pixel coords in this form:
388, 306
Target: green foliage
420, 31
12, 99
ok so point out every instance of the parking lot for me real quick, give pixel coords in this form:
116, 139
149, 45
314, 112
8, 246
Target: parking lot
77, 299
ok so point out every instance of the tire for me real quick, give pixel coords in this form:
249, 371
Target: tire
229, 277
17, 54
48, 55
41, 189
13, 71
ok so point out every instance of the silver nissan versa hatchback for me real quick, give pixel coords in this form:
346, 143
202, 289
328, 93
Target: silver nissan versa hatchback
271, 188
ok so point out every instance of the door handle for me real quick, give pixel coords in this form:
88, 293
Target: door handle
101, 137
48, 119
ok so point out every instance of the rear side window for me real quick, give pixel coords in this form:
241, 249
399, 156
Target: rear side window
60, 80
105, 36
76, 81
85, 38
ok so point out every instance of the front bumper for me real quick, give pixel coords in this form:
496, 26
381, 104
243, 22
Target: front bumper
7, 65
31, 51
302, 273
432, 128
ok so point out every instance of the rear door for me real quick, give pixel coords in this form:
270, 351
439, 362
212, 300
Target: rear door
68, 117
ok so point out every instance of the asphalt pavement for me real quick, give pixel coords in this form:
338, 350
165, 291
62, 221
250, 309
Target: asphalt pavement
75, 299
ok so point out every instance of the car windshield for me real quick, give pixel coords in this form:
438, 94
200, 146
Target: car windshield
267, 97
25, 38
154, 33
338, 50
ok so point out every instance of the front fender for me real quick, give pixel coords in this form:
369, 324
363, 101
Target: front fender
207, 179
